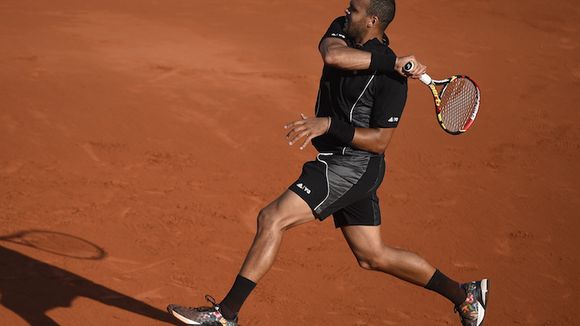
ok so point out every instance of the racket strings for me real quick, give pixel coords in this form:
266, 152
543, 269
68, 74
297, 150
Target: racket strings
459, 100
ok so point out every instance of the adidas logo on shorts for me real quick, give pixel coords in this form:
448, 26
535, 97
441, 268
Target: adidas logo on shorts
303, 187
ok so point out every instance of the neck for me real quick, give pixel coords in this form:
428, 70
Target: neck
369, 36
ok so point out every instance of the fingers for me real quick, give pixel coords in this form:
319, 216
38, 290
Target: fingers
294, 124
399, 64
297, 122
306, 142
412, 60
295, 130
298, 136
418, 70
307, 127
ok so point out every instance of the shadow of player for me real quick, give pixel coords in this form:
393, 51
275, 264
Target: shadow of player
30, 288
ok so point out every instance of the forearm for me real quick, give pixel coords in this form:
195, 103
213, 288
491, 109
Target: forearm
373, 140
347, 58
352, 59
336, 53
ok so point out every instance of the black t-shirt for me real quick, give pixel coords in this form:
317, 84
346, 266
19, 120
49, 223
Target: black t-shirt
363, 98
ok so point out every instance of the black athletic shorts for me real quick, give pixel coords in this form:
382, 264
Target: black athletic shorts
344, 186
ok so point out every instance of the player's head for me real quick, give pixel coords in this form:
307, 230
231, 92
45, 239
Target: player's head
383, 10
364, 16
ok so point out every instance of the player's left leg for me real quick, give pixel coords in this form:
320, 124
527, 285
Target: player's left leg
287, 211
371, 253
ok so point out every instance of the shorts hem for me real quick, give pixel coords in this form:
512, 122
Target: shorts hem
355, 224
302, 195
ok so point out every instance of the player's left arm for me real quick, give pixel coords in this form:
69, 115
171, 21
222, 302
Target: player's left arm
390, 99
373, 140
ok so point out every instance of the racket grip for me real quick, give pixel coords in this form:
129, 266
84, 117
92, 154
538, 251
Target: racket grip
424, 78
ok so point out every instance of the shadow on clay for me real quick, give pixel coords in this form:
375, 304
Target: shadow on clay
30, 287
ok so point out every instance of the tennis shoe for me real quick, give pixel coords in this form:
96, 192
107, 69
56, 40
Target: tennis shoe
204, 316
472, 310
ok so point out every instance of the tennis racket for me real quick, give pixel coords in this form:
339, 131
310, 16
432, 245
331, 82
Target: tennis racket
457, 102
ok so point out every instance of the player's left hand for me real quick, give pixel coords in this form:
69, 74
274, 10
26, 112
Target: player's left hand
306, 127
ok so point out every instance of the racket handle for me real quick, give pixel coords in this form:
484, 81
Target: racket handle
408, 66
424, 78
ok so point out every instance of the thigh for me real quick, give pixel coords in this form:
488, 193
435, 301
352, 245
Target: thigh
287, 210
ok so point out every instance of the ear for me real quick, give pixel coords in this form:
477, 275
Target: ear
373, 20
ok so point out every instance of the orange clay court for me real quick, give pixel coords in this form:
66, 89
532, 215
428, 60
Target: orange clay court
153, 131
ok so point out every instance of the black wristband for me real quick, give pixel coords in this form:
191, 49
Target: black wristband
382, 62
341, 130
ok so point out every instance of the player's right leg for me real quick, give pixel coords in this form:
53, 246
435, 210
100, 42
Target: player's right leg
470, 299
287, 211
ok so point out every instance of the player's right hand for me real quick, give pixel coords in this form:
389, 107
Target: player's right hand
415, 73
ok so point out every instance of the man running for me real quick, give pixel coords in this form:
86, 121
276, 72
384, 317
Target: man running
359, 105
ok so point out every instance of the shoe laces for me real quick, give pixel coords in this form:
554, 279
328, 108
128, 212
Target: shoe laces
211, 300
214, 305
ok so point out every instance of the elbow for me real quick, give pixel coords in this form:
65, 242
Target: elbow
379, 149
330, 58
375, 147
374, 140
382, 141
380, 146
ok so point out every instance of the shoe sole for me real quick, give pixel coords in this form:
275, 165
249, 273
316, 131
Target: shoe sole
484, 286
183, 319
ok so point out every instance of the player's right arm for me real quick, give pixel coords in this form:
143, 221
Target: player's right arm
335, 52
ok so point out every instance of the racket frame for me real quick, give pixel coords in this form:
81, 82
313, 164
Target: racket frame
431, 83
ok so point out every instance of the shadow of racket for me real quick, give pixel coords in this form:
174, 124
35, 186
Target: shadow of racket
57, 243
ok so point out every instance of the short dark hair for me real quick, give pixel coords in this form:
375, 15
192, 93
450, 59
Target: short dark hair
384, 9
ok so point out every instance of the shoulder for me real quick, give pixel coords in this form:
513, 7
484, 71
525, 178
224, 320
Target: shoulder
341, 20
336, 28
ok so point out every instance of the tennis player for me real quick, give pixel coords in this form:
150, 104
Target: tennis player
360, 102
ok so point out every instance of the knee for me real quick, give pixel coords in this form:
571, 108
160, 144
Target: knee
267, 221
368, 263
373, 260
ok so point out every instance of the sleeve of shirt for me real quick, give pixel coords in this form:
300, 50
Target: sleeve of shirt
336, 29
390, 99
